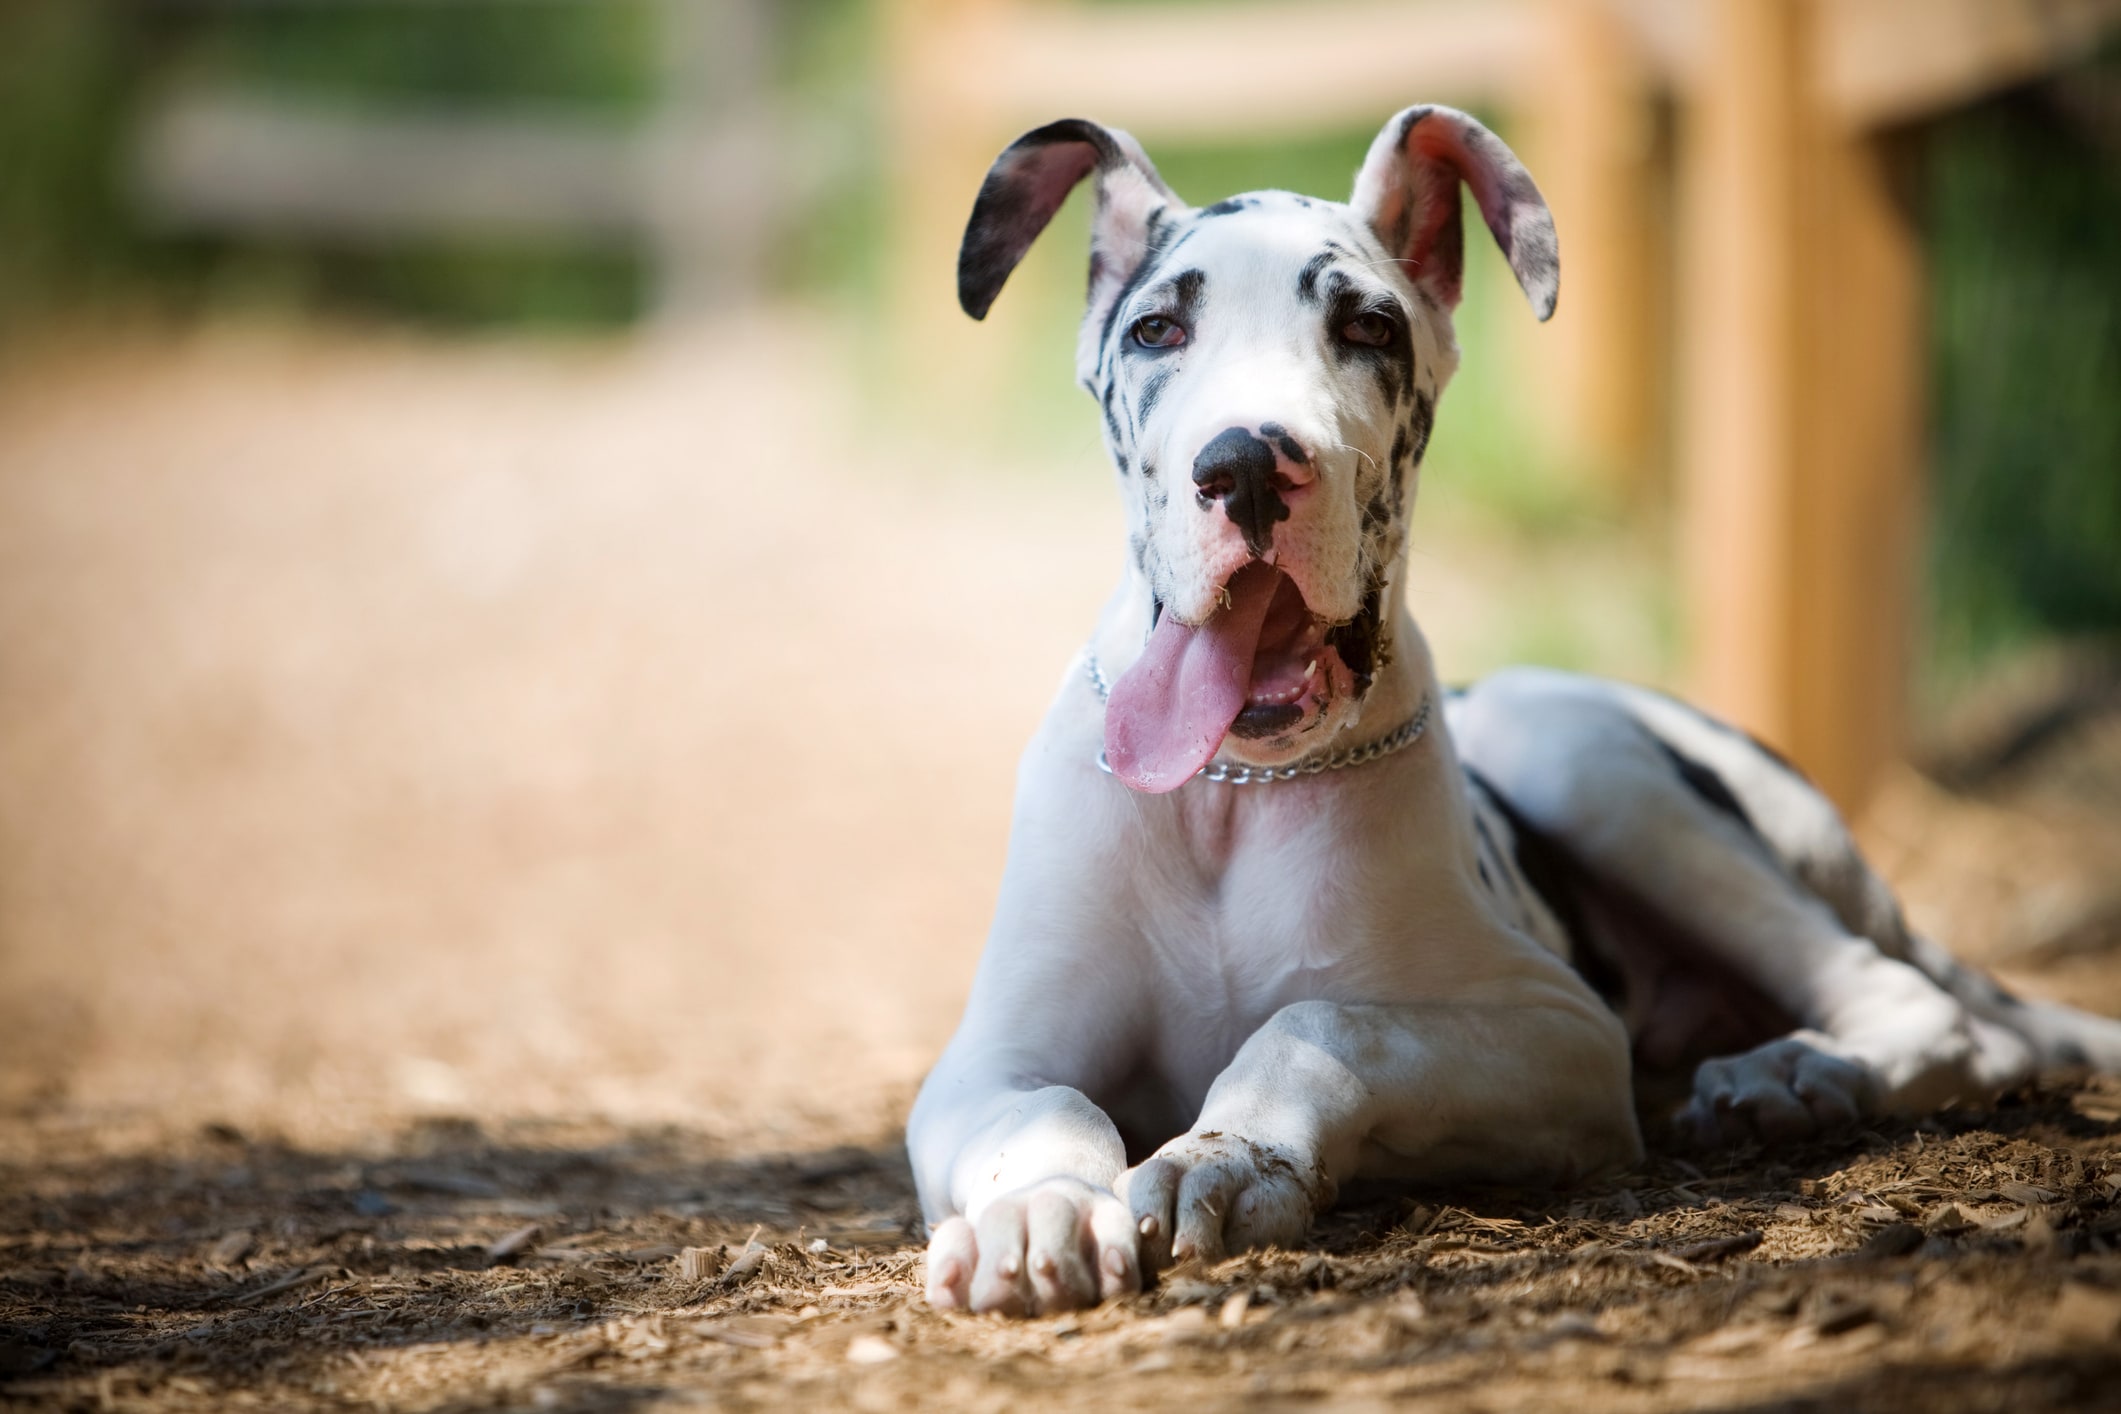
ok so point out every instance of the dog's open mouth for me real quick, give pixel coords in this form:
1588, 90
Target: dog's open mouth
1258, 667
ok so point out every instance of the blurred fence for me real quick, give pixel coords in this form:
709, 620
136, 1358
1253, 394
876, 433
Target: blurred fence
1743, 317
694, 183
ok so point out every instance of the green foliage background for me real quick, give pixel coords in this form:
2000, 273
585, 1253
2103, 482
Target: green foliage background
2024, 220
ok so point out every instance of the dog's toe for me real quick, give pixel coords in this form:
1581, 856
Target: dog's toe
1058, 1245
999, 1282
1205, 1196
1151, 1194
1058, 1252
1116, 1244
953, 1254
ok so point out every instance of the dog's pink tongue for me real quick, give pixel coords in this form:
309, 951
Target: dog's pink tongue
1170, 711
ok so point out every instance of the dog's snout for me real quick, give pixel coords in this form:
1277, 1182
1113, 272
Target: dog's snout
1249, 473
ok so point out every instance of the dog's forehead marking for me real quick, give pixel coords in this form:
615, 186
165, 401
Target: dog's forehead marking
1276, 239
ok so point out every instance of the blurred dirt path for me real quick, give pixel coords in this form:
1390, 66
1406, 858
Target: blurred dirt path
399, 726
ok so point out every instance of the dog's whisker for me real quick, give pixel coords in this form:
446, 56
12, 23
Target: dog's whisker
1343, 446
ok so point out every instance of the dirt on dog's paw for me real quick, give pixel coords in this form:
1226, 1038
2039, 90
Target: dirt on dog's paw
1209, 1194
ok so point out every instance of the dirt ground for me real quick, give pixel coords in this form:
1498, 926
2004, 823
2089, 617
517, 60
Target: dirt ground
490, 839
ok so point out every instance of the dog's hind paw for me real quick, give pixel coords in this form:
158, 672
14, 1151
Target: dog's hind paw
1208, 1195
1790, 1088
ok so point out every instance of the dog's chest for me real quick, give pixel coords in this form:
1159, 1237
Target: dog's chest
1251, 898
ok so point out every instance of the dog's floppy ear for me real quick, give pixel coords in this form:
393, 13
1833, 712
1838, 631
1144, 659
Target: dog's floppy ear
1408, 191
1028, 183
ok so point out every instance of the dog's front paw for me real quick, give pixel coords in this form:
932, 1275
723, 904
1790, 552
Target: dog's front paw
1056, 1245
1210, 1194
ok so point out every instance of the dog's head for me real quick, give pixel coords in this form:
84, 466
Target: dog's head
1268, 368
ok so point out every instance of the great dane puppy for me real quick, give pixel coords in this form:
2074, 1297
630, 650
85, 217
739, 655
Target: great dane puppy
1278, 912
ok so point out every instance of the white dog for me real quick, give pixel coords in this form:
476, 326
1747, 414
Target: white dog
1279, 913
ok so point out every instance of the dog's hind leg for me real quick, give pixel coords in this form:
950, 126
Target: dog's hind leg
1735, 852
1807, 837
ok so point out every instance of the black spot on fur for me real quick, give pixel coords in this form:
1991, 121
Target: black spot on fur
1718, 724
1487, 838
1375, 514
1152, 390
1704, 782
1279, 435
1160, 228
1186, 286
1307, 278
1398, 464
1230, 206
1112, 427
1360, 641
1237, 469
1561, 883
1424, 424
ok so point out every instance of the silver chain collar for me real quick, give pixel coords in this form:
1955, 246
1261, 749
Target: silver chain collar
1222, 773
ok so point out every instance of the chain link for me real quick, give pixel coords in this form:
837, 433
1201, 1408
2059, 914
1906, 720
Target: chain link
1223, 773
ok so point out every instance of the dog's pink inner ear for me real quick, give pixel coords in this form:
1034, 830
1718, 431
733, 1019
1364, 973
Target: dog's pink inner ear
1408, 190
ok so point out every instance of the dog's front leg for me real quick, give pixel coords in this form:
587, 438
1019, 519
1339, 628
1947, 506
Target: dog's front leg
1529, 1090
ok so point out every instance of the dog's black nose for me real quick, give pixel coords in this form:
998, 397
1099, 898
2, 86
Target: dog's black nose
1237, 469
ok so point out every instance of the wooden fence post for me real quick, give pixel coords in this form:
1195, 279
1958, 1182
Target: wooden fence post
1801, 428
1591, 142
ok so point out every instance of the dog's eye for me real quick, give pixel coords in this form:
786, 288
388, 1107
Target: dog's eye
1157, 332
1375, 330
